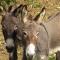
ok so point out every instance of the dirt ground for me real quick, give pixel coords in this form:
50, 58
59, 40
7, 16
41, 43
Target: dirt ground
52, 7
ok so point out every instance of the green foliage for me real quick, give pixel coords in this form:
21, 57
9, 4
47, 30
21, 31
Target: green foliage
34, 3
6, 3
52, 57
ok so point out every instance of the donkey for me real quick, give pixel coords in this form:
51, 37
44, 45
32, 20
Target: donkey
35, 37
12, 30
41, 38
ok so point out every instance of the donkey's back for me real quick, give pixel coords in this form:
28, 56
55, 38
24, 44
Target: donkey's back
53, 28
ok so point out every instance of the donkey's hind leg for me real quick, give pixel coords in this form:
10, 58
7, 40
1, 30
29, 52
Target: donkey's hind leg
24, 55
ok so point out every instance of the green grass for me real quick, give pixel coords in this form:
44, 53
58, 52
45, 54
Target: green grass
52, 57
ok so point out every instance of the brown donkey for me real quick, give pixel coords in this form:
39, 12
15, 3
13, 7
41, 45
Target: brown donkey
12, 30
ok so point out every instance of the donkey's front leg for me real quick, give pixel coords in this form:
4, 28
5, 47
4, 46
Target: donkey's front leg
24, 53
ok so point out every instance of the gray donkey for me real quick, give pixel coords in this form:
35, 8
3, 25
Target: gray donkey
41, 38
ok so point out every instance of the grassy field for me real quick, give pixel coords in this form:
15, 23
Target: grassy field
34, 6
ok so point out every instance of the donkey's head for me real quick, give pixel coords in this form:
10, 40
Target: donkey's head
31, 32
10, 24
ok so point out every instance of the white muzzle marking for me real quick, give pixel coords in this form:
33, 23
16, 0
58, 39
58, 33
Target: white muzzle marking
30, 50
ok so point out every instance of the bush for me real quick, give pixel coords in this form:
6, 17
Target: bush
5, 3
34, 3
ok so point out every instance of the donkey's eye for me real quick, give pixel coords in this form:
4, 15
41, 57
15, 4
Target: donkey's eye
25, 34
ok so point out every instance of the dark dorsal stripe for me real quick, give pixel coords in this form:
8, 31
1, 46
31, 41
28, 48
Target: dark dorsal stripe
44, 28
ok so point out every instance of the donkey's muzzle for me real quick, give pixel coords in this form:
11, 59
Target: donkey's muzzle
10, 44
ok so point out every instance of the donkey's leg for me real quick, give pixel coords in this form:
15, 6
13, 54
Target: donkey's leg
24, 55
11, 49
58, 55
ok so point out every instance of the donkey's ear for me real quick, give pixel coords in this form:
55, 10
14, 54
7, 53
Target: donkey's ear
25, 13
17, 10
10, 8
25, 10
39, 17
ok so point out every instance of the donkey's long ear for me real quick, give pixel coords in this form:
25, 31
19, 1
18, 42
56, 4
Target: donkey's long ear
40, 16
24, 11
17, 10
2, 11
24, 14
10, 8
